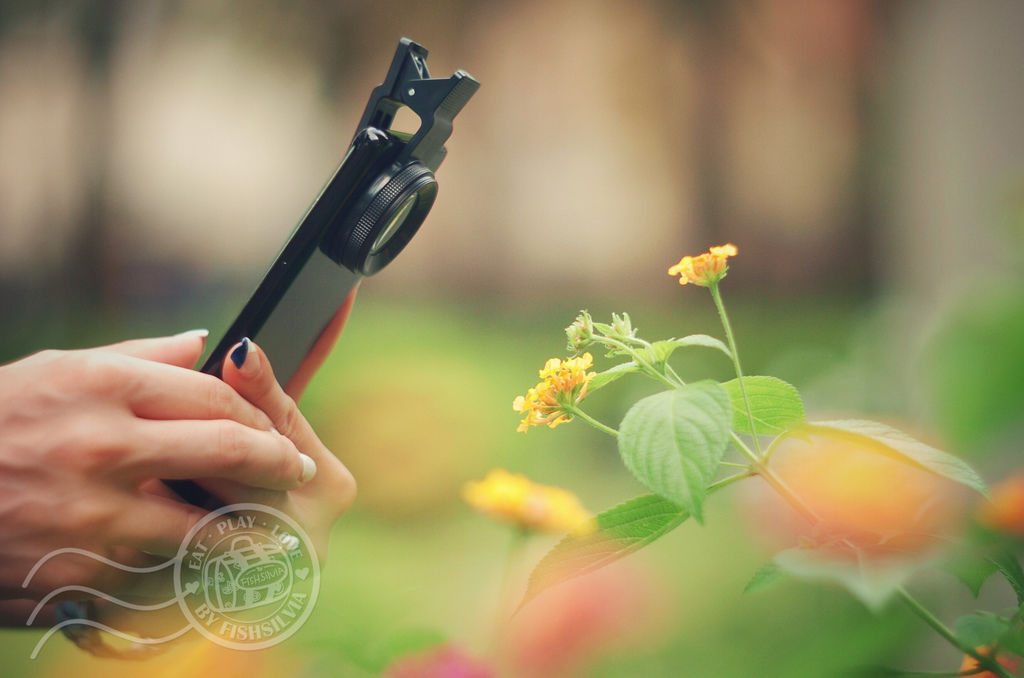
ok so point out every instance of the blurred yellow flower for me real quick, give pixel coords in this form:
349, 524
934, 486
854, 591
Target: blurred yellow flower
562, 383
514, 498
704, 269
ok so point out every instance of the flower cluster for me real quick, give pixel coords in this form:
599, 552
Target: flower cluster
704, 269
562, 385
514, 498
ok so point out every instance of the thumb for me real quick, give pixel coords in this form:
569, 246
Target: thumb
181, 350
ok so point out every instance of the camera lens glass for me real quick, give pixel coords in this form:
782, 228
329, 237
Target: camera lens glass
383, 220
393, 224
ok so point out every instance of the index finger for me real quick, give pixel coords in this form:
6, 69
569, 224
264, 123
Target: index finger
159, 391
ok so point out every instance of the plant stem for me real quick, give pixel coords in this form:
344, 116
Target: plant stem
593, 422
787, 493
925, 614
516, 544
672, 373
758, 467
729, 464
644, 365
728, 480
717, 296
771, 448
747, 452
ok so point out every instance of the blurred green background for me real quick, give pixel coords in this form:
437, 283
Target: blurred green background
866, 157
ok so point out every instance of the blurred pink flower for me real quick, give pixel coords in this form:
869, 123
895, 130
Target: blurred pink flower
446, 661
568, 628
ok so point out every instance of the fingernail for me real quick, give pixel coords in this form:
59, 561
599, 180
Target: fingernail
201, 334
308, 468
241, 352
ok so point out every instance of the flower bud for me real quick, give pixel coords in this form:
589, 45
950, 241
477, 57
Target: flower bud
622, 327
580, 332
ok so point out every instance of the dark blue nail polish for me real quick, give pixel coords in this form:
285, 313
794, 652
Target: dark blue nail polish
240, 352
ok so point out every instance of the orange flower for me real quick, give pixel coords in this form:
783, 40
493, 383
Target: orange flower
704, 269
971, 664
1005, 511
866, 499
563, 383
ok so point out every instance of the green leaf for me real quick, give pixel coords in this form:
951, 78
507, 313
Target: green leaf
899, 445
971, 569
602, 379
766, 575
1014, 642
872, 582
1009, 567
621, 530
776, 405
663, 349
673, 441
981, 628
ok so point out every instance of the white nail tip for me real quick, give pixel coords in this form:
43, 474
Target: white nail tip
308, 468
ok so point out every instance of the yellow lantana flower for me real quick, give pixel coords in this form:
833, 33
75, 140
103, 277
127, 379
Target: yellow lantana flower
704, 269
514, 498
563, 382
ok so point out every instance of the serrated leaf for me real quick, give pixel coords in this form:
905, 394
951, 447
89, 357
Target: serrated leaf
1009, 567
899, 445
775, 404
980, 628
621, 530
872, 582
602, 379
663, 349
766, 575
673, 441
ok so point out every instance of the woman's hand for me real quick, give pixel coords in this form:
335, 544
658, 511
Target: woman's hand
317, 504
82, 432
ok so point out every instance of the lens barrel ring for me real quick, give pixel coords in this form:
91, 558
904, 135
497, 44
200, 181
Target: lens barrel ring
413, 179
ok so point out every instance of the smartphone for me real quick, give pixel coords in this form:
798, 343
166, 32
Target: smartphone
362, 219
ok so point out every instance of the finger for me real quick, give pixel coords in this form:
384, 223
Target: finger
321, 349
156, 391
78, 569
248, 370
175, 450
182, 350
230, 492
155, 525
17, 612
156, 487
